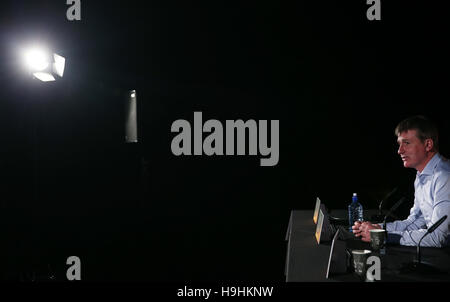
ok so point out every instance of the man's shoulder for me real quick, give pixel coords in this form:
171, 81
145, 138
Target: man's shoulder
442, 170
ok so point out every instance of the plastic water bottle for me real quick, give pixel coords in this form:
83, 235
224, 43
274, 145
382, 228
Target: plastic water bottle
355, 212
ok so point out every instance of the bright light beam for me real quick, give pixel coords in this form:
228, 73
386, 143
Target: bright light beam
36, 59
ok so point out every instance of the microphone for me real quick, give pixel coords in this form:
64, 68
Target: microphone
391, 210
429, 231
385, 198
436, 225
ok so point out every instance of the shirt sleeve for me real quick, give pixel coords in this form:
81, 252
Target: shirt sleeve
441, 206
415, 221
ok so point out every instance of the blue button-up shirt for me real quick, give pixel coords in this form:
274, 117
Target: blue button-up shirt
431, 202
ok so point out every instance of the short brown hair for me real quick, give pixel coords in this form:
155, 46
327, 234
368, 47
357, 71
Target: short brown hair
424, 127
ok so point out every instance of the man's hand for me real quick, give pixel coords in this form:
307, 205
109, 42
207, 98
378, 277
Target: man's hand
356, 228
362, 229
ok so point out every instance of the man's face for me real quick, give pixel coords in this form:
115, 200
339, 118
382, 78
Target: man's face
412, 150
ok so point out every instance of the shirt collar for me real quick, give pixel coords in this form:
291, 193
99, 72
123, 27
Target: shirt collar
428, 170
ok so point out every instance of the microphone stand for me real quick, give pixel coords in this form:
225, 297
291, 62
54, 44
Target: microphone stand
394, 207
417, 266
380, 206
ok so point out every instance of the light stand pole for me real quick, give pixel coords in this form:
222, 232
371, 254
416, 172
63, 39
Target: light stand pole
46, 68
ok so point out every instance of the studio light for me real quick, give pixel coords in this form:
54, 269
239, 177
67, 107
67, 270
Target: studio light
42, 65
131, 135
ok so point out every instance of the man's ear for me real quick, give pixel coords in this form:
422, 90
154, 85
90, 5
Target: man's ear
429, 144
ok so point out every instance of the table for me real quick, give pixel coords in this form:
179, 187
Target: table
307, 261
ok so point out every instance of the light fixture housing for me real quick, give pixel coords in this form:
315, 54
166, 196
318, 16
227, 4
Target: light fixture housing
44, 76
43, 66
59, 64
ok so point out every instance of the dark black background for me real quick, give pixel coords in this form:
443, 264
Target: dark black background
337, 83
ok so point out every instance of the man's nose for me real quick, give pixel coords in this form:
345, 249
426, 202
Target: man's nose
400, 149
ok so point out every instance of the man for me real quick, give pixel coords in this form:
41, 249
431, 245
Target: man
417, 138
